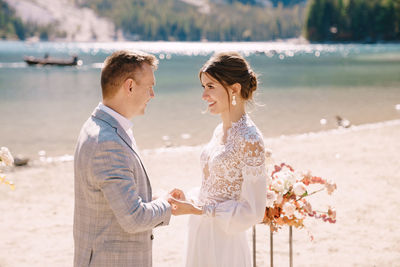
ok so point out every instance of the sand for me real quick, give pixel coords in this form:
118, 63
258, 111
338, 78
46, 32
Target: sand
36, 218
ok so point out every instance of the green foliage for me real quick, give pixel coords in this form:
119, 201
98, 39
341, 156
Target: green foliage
353, 20
11, 27
175, 20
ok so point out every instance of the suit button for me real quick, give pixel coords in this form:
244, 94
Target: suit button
152, 237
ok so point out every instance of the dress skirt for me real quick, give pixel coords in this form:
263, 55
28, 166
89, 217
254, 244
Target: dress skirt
210, 246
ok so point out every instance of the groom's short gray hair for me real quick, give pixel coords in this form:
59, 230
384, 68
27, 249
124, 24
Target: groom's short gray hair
120, 66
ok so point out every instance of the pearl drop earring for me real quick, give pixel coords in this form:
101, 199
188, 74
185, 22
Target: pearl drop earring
233, 100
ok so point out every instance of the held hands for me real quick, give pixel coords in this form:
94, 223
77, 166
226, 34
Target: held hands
180, 206
178, 194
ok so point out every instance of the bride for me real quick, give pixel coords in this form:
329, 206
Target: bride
234, 181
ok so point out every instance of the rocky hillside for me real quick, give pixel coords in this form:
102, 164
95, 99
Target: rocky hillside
171, 20
195, 20
64, 20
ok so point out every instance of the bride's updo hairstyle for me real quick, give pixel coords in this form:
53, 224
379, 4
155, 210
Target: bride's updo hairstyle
229, 68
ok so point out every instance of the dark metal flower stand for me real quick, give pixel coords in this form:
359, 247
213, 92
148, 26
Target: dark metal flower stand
271, 246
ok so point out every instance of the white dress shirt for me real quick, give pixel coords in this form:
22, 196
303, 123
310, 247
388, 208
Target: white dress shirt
124, 122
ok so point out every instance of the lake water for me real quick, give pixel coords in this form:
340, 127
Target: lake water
43, 108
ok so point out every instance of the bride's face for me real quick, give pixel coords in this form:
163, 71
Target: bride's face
215, 94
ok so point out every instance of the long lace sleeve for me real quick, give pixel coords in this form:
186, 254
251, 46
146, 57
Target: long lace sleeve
248, 209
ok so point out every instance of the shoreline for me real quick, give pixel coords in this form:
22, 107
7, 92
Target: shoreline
37, 162
269, 47
295, 41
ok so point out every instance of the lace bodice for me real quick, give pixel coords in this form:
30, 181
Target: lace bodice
225, 165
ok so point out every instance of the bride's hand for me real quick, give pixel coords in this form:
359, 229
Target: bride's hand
178, 194
182, 207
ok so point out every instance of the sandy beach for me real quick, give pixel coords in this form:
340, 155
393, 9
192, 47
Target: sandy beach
36, 218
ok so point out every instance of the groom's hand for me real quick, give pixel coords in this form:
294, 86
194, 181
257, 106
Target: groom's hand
178, 194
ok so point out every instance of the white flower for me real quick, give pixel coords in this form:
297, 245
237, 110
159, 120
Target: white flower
288, 209
299, 189
271, 197
278, 185
279, 198
286, 175
6, 156
298, 215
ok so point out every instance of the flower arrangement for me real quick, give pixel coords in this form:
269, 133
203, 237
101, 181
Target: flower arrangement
286, 202
6, 159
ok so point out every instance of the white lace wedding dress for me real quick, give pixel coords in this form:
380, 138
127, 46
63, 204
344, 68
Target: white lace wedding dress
232, 194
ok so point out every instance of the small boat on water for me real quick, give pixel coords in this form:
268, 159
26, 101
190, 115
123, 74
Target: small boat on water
50, 61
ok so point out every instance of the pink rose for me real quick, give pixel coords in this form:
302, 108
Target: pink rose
330, 187
308, 208
332, 213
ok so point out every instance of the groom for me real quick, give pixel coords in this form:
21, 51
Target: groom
114, 212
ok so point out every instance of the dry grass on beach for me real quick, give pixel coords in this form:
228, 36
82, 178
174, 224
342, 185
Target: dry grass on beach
36, 218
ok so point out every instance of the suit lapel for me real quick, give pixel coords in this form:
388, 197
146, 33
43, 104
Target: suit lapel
104, 116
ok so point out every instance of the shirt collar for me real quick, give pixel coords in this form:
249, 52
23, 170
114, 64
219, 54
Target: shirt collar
124, 122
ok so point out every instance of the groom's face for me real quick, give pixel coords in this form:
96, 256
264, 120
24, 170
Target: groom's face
142, 90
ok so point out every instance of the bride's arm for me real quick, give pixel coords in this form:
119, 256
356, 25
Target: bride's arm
234, 216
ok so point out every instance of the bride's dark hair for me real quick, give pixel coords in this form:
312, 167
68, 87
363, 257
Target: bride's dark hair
229, 68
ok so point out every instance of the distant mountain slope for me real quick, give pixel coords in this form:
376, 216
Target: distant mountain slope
170, 20
189, 20
204, 5
262, 2
66, 20
287, 2
11, 27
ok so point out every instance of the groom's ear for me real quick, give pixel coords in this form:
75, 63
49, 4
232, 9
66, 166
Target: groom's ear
129, 84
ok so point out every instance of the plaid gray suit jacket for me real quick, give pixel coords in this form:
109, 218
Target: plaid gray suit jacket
114, 213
